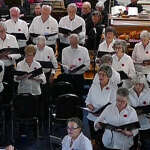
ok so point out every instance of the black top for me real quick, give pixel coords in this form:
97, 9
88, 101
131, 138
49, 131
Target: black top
139, 6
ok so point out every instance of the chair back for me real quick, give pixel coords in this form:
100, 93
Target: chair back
25, 106
67, 105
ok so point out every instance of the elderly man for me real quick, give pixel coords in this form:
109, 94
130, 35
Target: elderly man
74, 56
17, 26
45, 25
8, 41
71, 22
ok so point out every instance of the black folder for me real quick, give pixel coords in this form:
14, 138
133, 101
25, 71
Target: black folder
77, 68
142, 109
34, 72
68, 31
101, 53
1, 69
19, 36
123, 75
9, 50
33, 35
46, 64
129, 126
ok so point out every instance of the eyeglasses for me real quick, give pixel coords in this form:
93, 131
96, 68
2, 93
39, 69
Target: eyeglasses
72, 129
118, 48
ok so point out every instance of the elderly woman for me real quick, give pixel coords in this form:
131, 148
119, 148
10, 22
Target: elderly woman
107, 44
75, 138
100, 94
141, 52
118, 114
139, 96
121, 61
115, 78
26, 83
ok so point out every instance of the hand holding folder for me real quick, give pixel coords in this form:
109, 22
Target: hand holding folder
46, 64
123, 75
19, 36
142, 109
129, 126
101, 53
76, 69
29, 75
34, 35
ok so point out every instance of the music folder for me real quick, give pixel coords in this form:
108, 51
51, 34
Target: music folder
97, 112
101, 53
68, 31
46, 64
9, 50
19, 36
77, 69
33, 73
34, 35
129, 126
123, 75
142, 109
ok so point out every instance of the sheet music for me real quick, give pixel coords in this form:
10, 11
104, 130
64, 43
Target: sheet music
132, 11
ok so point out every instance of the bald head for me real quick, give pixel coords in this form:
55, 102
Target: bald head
86, 8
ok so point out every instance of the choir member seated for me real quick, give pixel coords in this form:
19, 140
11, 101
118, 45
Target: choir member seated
139, 99
75, 138
101, 94
118, 114
75, 61
141, 53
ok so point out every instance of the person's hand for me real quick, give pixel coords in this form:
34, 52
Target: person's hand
125, 132
98, 125
25, 76
91, 107
51, 78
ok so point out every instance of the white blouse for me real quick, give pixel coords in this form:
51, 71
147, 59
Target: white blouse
81, 143
142, 100
111, 115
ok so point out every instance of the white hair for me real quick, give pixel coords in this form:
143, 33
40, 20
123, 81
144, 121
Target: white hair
100, 4
2, 24
47, 7
14, 9
74, 35
144, 34
72, 5
41, 39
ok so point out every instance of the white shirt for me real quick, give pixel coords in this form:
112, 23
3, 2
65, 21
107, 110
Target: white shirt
18, 27
1, 76
72, 58
28, 85
66, 23
9, 42
50, 26
115, 78
47, 54
124, 64
105, 48
81, 143
111, 115
140, 53
99, 97
142, 100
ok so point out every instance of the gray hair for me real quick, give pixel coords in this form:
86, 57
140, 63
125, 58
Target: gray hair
140, 78
41, 39
2, 24
72, 5
106, 59
77, 121
87, 4
124, 92
144, 34
47, 7
107, 69
74, 35
123, 43
100, 4
14, 8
